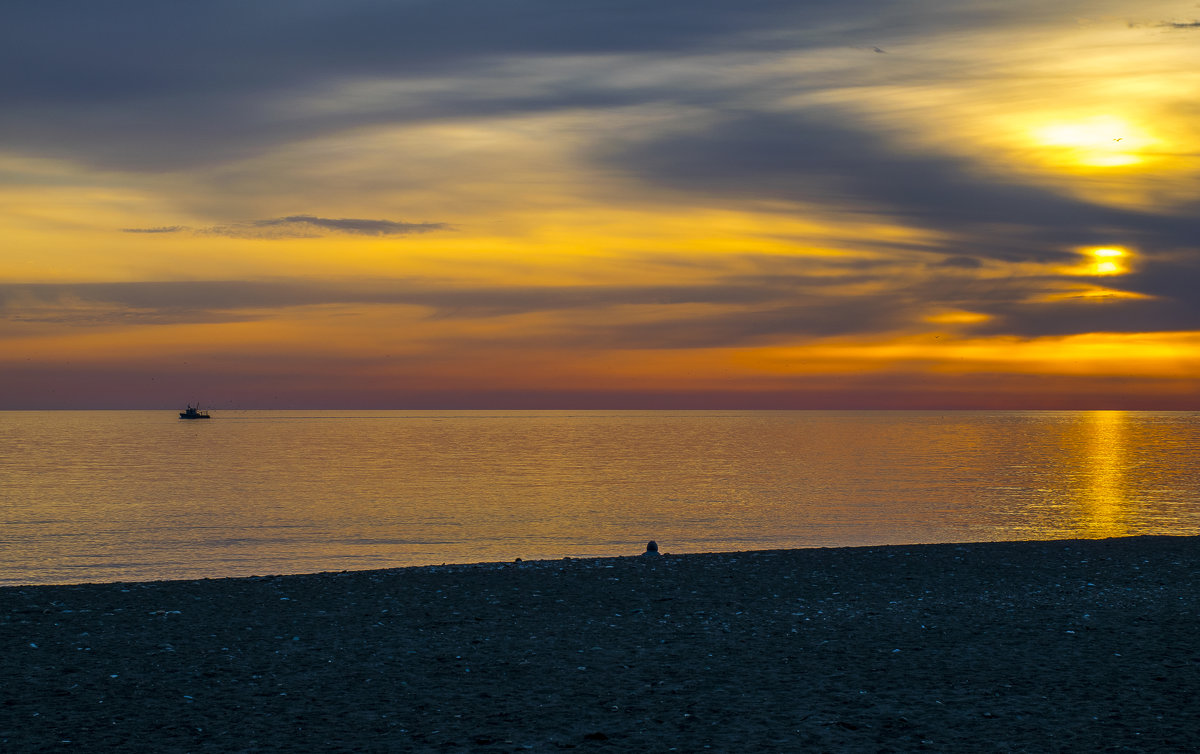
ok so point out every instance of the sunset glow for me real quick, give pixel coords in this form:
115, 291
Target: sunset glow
1101, 142
766, 205
1107, 261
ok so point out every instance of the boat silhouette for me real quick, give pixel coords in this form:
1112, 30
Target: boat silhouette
194, 412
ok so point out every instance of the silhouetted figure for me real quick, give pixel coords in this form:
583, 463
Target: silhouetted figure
651, 549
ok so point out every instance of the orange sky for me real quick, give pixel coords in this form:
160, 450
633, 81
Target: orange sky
763, 204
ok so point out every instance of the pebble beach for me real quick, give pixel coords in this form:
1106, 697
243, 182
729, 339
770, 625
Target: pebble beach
1084, 645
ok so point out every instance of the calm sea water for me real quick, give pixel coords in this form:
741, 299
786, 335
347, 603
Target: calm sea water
137, 495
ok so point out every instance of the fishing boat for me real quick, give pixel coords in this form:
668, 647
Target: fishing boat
194, 412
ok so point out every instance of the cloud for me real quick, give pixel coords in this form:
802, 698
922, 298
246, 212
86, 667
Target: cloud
824, 157
729, 311
162, 229
139, 85
142, 86
302, 226
791, 299
353, 225
966, 263
823, 160
1181, 25
747, 92
443, 299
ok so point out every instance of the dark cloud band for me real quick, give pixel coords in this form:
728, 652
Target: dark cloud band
162, 229
353, 225
304, 225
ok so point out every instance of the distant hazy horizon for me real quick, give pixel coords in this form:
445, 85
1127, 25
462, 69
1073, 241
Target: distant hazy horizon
667, 402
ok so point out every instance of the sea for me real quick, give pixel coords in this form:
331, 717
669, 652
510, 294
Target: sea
106, 496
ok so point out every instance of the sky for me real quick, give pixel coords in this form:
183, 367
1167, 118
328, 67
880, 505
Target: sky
510, 204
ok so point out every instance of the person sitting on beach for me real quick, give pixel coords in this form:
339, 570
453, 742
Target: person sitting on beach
651, 549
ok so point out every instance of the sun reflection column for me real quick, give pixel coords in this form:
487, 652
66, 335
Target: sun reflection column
1105, 498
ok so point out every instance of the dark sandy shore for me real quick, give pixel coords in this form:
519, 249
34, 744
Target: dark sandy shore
1037, 646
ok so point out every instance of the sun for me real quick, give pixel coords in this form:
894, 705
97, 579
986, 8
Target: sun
1107, 260
1102, 141
1100, 261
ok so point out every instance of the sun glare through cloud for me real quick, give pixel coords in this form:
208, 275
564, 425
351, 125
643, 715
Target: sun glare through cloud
1102, 141
1108, 261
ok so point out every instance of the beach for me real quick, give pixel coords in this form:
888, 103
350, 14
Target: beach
1082, 645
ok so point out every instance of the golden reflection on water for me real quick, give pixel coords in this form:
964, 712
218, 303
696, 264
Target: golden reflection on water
1103, 509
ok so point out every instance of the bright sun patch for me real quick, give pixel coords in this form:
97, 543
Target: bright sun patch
1100, 261
1103, 141
1106, 261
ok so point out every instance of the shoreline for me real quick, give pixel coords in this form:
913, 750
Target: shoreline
1061, 645
535, 563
